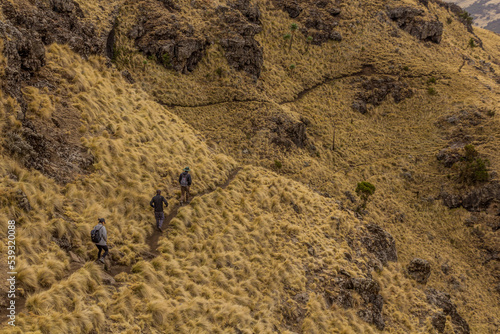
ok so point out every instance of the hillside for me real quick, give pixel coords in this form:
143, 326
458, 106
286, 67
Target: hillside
486, 13
280, 108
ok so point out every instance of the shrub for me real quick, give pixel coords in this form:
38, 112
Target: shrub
449, 20
466, 17
166, 60
278, 164
431, 91
472, 44
292, 67
365, 190
406, 68
472, 168
431, 80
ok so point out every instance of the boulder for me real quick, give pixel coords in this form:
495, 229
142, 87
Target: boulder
63, 6
411, 20
379, 243
443, 301
438, 321
419, 270
287, 131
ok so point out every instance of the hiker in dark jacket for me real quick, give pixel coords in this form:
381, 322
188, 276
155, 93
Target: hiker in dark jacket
157, 203
102, 245
185, 182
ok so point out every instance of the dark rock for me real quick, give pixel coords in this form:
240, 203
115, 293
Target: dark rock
475, 200
443, 301
359, 106
350, 196
372, 316
376, 90
28, 28
292, 7
380, 243
439, 322
449, 156
419, 270
63, 6
288, 132
345, 299
244, 54
252, 13
367, 288
22, 201
170, 5
410, 20
126, 74
445, 268
63, 242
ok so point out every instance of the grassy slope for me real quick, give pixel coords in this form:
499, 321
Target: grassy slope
235, 256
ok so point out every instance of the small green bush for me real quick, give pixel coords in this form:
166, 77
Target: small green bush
466, 17
292, 67
431, 91
431, 80
278, 164
472, 44
449, 20
473, 169
406, 68
364, 190
166, 60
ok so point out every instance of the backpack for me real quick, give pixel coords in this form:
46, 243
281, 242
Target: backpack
184, 180
95, 235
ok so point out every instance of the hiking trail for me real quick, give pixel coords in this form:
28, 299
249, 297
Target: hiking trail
115, 269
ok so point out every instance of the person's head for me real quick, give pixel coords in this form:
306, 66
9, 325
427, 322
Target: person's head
187, 169
158, 192
101, 220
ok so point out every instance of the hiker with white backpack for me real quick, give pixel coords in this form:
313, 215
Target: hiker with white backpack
185, 182
99, 236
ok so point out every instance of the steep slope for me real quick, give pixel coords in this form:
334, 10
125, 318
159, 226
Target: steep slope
386, 92
486, 13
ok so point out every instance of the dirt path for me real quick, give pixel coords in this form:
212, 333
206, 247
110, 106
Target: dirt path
115, 269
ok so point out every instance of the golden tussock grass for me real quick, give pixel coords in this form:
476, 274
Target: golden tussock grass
233, 258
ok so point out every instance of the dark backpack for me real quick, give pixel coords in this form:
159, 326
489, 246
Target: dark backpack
95, 235
184, 180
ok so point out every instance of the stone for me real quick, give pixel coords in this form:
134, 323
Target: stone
107, 279
438, 321
359, 106
443, 301
75, 258
287, 131
419, 270
63, 6
411, 20
380, 243
23, 201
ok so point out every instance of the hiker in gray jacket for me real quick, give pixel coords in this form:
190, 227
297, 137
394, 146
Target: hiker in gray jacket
102, 244
185, 183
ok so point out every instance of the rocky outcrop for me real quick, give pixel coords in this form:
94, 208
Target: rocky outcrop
475, 200
162, 35
373, 302
451, 155
419, 270
27, 28
52, 153
318, 22
379, 243
240, 24
443, 301
287, 132
413, 22
375, 91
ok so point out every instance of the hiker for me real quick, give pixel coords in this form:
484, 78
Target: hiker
185, 182
157, 203
100, 237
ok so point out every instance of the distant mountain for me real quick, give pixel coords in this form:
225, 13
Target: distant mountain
486, 13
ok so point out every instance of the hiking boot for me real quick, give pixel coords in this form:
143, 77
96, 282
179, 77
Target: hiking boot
101, 260
159, 229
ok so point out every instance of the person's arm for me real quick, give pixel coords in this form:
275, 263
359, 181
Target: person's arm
152, 203
104, 234
189, 180
165, 201
180, 178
